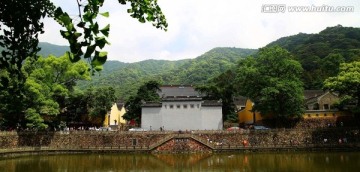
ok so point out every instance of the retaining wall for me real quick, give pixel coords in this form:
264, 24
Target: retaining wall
194, 141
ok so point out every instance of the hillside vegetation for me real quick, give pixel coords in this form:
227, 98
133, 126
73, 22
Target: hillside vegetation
126, 78
320, 54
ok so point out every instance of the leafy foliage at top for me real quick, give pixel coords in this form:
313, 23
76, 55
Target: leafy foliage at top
21, 23
321, 54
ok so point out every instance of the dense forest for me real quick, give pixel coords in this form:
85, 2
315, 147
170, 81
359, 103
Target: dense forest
127, 77
320, 54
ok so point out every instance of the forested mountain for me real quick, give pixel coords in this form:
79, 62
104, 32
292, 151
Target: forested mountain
128, 77
320, 54
206, 66
48, 48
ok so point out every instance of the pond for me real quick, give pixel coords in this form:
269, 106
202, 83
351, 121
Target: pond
262, 162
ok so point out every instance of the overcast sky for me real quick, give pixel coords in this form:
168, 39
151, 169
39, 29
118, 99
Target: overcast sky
196, 26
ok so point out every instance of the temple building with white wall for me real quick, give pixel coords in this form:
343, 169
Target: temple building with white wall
181, 108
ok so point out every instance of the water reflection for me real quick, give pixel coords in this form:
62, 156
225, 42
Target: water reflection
185, 162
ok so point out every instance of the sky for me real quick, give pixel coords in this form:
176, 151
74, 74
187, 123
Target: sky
197, 26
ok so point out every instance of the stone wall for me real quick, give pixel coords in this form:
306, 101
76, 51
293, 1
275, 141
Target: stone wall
181, 142
283, 137
78, 139
179, 145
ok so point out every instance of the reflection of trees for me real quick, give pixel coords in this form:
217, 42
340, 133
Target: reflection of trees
290, 161
283, 162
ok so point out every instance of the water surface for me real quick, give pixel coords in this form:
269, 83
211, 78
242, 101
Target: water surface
262, 162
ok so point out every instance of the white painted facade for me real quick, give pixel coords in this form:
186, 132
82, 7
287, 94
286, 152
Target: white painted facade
182, 115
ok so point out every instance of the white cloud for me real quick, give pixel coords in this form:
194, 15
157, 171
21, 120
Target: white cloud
198, 26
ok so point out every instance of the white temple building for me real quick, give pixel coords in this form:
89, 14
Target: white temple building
182, 108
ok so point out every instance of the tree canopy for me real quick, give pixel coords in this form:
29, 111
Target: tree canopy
347, 83
222, 87
148, 93
320, 54
272, 81
48, 82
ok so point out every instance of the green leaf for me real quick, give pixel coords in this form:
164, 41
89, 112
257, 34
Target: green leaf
70, 55
65, 18
105, 30
103, 54
105, 14
88, 17
89, 51
58, 12
100, 42
99, 58
150, 17
70, 26
95, 28
81, 24
123, 2
141, 20
65, 34
77, 34
99, 68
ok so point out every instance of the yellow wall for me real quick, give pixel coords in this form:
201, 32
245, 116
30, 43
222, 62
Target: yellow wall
114, 114
246, 116
320, 113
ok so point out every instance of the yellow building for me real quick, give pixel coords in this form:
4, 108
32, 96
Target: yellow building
114, 117
246, 115
318, 104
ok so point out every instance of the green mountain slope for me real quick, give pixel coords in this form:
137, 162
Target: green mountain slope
206, 66
320, 54
48, 48
127, 78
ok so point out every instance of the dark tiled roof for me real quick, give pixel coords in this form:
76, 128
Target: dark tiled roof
151, 104
211, 103
312, 93
178, 90
240, 101
119, 105
182, 98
